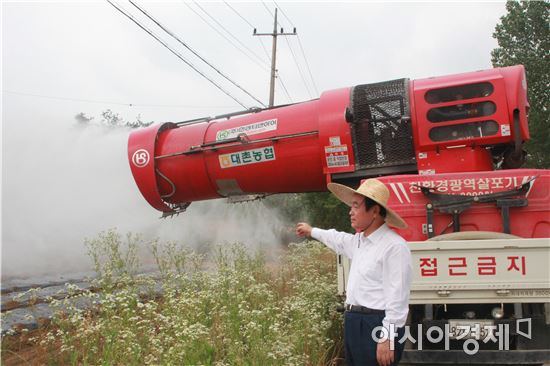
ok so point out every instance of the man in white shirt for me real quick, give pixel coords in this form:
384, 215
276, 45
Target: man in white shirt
378, 288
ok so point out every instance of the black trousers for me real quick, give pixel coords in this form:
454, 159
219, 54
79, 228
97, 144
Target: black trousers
359, 343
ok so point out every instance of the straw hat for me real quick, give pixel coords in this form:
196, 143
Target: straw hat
373, 189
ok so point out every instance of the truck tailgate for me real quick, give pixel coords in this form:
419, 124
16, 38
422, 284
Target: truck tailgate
480, 271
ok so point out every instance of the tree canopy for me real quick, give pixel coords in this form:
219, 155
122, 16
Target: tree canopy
111, 119
523, 37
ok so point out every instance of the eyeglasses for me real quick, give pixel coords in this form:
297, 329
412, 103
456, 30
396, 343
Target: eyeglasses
356, 205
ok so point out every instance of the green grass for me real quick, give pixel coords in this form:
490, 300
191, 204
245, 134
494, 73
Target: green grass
231, 308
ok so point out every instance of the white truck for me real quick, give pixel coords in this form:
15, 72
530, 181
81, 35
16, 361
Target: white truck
477, 297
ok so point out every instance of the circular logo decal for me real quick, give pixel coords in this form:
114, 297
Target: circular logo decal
222, 135
140, 158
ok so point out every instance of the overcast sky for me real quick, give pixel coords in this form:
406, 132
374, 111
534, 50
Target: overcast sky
91, 51
61, 183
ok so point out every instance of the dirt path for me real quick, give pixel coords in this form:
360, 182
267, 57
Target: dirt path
21, 349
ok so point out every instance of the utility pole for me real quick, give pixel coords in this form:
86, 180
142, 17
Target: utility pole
273, 55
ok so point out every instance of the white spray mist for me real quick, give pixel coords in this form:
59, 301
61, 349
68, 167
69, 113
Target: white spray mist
63, 183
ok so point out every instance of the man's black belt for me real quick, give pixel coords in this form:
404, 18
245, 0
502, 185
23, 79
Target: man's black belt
363, 309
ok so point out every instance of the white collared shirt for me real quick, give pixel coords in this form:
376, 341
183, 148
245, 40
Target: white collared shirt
380, 272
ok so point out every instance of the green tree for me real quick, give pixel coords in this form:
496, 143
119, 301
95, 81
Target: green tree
112, 119
523, 37
83, 119
320, 209
326, 211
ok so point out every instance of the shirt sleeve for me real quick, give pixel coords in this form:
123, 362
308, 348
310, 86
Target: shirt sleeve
397, 272
340, 242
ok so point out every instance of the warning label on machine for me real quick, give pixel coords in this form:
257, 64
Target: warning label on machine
337, 155
247, 157
252, 129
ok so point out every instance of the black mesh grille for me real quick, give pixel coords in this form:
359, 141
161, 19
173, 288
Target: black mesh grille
381, 125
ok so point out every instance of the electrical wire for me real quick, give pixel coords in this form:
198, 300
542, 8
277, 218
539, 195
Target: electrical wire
284, 14
224, 36
265, 49
109, 102
195, 53
177, 54
228, 32
250, 24
298, 66
301, 48
280, 80
67, 98
269, 11
239, 14
308, 68
279, 77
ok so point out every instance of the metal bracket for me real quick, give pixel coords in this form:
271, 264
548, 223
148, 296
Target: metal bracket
505, 205
176, 209
430, 220
245, 198
236, 141
456, 204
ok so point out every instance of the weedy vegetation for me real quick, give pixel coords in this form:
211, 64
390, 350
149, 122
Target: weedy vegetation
232, 307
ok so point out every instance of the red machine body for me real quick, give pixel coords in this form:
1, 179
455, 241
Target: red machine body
272, 151
458, 123
530, 221
457, 117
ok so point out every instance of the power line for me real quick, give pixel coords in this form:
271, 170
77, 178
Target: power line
108, 102
284, 87
301, 48
265, 49
195, 53
279, 78
177, 54
67, 98
308, 68
239, 14
269, 11
282, 11
223, 35
228, 32
298, 67
250, 24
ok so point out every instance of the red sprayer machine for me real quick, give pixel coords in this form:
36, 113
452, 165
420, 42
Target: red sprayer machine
449, 149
